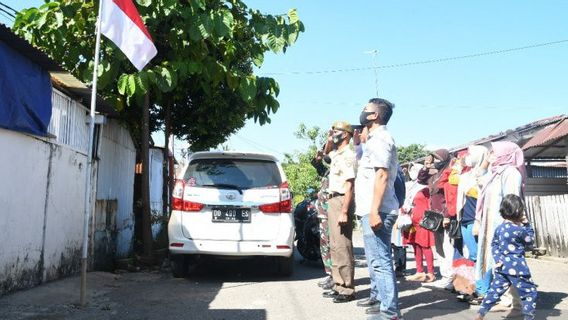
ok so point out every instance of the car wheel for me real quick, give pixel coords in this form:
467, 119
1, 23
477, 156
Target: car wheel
285, 265
179, 265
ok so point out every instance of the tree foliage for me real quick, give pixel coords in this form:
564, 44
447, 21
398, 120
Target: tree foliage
297, 166
411, 152
203, 70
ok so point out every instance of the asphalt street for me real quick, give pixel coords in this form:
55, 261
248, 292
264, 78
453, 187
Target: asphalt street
249, 289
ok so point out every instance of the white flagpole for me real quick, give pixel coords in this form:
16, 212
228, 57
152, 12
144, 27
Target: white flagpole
88, 205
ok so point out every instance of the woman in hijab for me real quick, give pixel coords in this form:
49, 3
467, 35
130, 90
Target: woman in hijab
420, 238
506, 176
468, 190
440, 201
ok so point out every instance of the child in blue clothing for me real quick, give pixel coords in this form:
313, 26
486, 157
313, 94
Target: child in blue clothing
508, 248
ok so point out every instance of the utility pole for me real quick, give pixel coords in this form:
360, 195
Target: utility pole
374, 52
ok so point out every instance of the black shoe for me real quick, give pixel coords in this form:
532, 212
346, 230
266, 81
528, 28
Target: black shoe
341, 298
376, 309
330, 294
367, 302
400, 274
325, 281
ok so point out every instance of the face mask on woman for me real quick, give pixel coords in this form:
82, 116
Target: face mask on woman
439, 165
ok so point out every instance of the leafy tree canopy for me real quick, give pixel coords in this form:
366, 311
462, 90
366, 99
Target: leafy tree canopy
297, 166
411, 152
203, 70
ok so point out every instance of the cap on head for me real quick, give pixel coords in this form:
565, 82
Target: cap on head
343, 126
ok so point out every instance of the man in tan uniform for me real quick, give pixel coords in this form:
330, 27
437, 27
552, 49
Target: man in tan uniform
340, 211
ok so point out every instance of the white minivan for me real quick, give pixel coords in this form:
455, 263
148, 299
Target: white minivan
231, 204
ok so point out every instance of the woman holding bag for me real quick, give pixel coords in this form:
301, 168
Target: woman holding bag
420, 238
442, 200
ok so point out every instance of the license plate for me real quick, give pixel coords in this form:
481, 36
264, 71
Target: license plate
231, 215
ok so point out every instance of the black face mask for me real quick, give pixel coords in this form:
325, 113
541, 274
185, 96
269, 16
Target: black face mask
337, 138
363, 118
440, 165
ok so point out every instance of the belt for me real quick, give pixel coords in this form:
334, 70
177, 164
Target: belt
334, 194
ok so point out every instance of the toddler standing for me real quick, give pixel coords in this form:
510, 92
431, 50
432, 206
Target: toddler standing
508, 248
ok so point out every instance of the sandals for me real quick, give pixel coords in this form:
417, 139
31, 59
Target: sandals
417, 277
430, 277
475, 300
472, 299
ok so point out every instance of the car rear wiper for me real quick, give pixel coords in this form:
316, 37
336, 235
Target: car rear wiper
224, 186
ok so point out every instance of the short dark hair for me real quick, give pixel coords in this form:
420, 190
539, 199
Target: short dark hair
512, 207
384, 109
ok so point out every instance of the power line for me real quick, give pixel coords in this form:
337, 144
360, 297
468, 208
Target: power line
467, 107
8, 7
421, 62
257, 145
7, 14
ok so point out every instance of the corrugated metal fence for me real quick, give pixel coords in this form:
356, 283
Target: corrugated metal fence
549, 216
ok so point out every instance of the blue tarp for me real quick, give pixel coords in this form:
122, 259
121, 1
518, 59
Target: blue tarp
25, 93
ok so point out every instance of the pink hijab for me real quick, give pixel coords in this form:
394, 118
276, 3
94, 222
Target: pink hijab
505, 154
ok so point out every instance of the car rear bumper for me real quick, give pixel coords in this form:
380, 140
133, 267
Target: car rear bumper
281, 244
230, 248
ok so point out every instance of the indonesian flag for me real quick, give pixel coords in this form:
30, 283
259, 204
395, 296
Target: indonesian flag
121, 23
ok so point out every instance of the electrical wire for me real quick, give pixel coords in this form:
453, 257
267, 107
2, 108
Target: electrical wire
258, 145
421, 62
7, 14
8, 7
461, 107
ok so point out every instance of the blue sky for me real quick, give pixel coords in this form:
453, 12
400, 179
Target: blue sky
437, 104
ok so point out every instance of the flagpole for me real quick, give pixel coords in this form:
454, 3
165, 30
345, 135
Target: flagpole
88, 205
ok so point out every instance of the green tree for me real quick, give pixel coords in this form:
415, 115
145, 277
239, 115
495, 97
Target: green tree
297, 166
411, 152
203, 73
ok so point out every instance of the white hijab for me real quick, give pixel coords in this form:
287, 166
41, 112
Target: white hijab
474, 159
412, 187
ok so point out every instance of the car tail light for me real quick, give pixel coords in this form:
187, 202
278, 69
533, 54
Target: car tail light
283, 206
178, 203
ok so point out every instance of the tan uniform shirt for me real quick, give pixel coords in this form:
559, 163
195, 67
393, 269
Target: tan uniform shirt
342, 168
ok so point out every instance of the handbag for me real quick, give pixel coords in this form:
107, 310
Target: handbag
454, 230
404, 222
432, 220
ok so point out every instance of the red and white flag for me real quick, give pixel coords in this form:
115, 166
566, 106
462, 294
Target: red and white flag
122, 24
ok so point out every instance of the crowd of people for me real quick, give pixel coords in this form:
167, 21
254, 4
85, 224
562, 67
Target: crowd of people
462, 211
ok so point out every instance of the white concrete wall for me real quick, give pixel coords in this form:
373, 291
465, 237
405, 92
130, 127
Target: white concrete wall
41, 210
65, 212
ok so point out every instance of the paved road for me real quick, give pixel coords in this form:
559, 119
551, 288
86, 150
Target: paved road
248, 289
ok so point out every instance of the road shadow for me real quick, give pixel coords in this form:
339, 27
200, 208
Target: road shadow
136, 296
254, 269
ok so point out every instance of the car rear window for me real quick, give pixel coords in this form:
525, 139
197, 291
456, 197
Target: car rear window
244, 174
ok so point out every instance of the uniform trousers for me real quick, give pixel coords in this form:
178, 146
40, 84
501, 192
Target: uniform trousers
341, 247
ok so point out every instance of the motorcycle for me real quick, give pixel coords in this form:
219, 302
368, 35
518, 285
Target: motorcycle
307, 228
